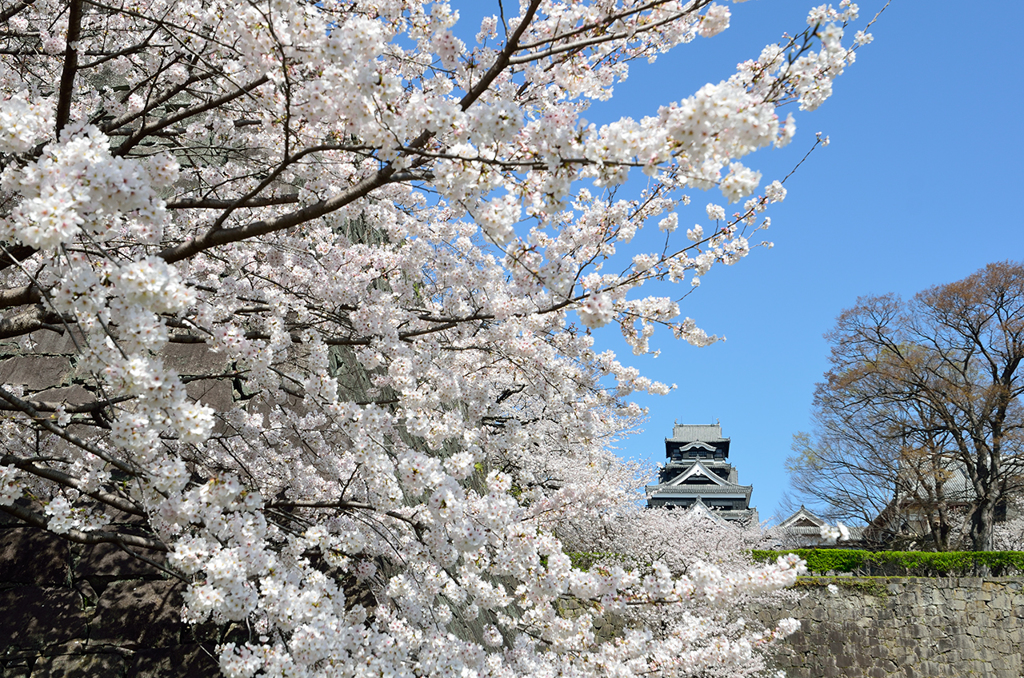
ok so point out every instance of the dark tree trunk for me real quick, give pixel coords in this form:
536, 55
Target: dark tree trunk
982, 521
939, 520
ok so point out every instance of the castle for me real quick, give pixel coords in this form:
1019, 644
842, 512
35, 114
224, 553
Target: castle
697, 472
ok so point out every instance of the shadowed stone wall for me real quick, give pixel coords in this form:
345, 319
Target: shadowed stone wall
906, 628
79, 611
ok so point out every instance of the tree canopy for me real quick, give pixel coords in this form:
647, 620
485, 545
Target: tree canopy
921, 410
319, 280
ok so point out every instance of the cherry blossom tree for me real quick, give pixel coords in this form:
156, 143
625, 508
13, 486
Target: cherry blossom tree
387, 248
704, 547
1009, 534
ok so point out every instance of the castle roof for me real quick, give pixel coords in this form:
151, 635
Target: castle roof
803, 520
698, 474
689, 433
698, 480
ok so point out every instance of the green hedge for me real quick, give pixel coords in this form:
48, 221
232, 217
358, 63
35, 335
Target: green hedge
906, 563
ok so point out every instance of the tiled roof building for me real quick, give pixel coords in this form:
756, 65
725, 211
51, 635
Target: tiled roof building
697, 470
803, 530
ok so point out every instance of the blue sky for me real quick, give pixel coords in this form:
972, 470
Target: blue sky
921, 185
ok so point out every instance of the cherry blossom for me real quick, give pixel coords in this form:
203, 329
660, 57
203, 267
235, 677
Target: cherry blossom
326, 278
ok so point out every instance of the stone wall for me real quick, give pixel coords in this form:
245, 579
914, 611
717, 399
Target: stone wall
906, 627
81, 611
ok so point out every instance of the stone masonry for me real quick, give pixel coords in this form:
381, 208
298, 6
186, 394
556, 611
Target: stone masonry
906, 628
78, 611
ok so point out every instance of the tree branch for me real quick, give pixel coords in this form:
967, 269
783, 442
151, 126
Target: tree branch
67, 480
154, 127
214, 203
14, 9
28, 321
67, 76
81, 537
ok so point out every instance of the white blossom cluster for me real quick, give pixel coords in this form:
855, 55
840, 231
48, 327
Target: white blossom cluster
78, 185
326, 275
835, 534
23, 122
710, 556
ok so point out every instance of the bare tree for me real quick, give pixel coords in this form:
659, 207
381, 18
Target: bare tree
907, 488
920, 411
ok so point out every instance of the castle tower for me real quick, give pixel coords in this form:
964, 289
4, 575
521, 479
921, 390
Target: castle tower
697, 469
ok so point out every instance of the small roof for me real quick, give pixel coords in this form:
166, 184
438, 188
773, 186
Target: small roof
695, 445
690, 433
805, 523
697, 468
690, 491
726, 516
802, 516
700, 508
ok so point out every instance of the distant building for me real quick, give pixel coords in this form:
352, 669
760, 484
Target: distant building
697, 471
804, 525
803, 530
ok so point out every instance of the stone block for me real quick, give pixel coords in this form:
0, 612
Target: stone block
194, 661
109, 562
139, 614
919, 631
32, 556
78, 666
967, 645
36, 618
1000, 664
35, 371
846, 630
843, 659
